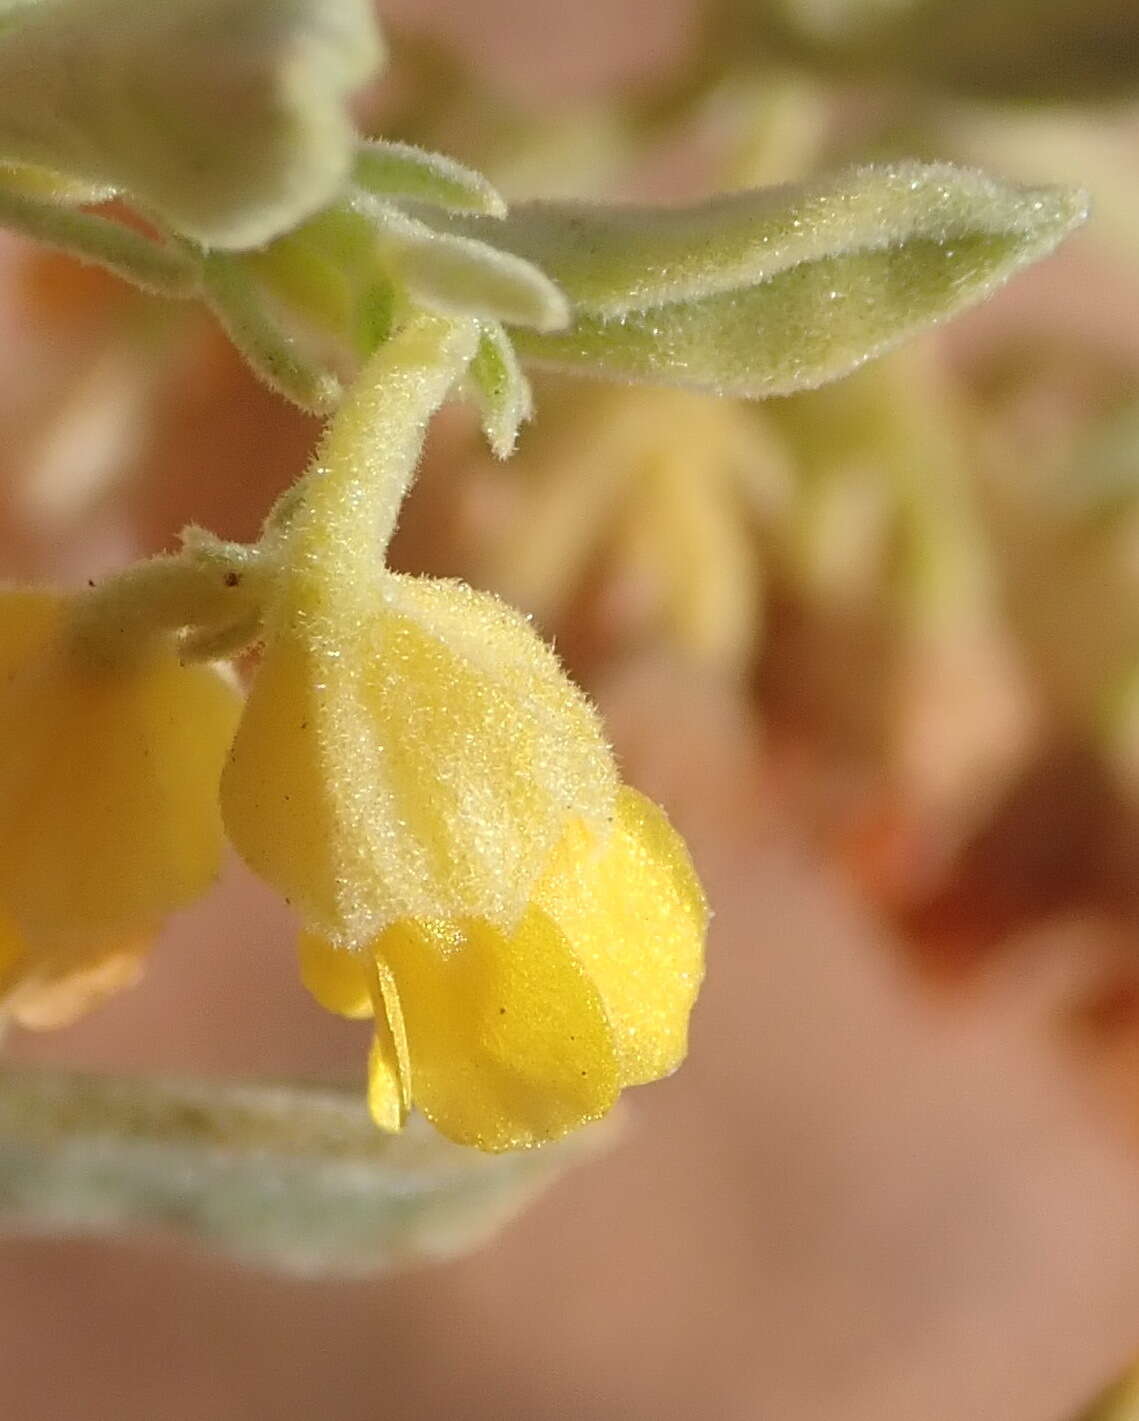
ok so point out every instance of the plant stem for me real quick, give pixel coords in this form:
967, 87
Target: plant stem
161, 270
339, 519
205, 590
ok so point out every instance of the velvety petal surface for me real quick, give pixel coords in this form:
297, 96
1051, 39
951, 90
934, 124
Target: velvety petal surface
508, 1041
634, 914
415, 760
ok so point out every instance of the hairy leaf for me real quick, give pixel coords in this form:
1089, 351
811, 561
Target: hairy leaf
767, 292
291, 1177
500, 389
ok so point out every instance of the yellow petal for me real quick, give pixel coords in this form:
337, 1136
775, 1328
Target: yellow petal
416, 759
508, 1041
354, 985
108, 791
340, 980
389, 1072
29, 617
11, 955
634, 914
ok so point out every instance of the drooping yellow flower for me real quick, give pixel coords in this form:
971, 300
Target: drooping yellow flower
108, 802
510, 1039
417, 774
436, 797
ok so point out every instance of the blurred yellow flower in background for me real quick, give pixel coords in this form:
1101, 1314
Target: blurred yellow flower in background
108, 802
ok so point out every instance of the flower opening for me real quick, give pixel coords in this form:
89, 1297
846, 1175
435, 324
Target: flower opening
509, 1039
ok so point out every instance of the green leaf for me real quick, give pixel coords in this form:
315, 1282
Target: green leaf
459, 275
768, 292
613, 259
500, 389
401, 172
290, 1177
224, 118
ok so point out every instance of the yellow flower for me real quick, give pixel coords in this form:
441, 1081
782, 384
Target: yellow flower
413, 756
417, 774
108, 802
424, 782
509, 1039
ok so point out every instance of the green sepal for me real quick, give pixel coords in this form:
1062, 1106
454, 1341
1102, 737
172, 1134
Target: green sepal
262, 333
403, 173
459, 275
499, 387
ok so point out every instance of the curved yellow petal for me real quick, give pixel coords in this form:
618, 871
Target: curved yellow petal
277, 807
355, 985
340, 980
389, 1071
634, 913
508, 1041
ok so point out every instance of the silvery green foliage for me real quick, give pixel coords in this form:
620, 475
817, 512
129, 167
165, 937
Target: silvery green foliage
763, 293
366, 262
225, 119
403, 173
458, 275
292, 1178
158, 268
499, 389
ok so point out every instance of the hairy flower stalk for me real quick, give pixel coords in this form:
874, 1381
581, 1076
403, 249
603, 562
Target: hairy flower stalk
418, 776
